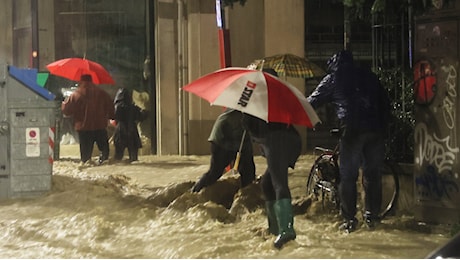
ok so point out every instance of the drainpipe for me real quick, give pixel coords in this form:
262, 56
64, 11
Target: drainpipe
409, 23
346, 28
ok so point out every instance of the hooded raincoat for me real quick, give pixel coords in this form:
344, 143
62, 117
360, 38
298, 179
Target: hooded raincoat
127, 115
362, 106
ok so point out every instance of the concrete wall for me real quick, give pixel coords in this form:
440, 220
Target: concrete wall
46, 43
45, 27
6, 32
436, 145
203, 58
166, 75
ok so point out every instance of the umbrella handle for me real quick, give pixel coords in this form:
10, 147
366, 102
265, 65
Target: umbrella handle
238, 154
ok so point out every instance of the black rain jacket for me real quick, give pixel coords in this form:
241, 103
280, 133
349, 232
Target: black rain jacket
127, 115
361, 102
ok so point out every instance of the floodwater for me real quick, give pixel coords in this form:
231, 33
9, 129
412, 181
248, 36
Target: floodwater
146, 210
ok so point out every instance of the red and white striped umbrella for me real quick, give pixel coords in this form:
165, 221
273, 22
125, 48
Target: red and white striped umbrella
256, 93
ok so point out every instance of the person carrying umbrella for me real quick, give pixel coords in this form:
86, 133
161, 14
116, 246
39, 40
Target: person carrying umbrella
91, 108
363, 109
271, 107
280, 144
226, 138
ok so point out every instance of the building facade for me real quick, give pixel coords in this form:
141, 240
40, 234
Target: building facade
154, 47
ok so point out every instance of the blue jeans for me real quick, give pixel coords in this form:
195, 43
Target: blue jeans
366, 150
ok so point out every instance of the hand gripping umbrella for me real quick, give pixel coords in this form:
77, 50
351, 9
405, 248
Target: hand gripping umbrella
256, 93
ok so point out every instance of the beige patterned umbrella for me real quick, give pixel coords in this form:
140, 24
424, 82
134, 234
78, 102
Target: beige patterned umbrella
289, 65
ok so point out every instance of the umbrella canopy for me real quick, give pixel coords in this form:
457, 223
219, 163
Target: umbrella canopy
73, 68
289, 65
257, 93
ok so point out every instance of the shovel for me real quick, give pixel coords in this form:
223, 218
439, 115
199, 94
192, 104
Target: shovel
238, 155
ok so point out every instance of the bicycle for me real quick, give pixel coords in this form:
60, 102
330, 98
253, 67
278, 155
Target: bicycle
324, 178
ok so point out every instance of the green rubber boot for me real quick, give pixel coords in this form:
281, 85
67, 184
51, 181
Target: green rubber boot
271, 216
285, 217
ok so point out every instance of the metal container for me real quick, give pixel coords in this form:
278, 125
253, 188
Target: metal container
27, 127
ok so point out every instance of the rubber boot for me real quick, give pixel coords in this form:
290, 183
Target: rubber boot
271, 216
285, 217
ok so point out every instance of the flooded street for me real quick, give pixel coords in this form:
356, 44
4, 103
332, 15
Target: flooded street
146, 210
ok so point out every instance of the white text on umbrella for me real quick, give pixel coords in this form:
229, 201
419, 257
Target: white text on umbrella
246, 95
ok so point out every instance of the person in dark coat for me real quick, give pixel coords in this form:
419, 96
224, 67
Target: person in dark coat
90, 107
225, 138
362, 107
281, 146
126, 135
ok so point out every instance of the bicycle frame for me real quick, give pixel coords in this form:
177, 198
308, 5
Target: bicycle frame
327, 181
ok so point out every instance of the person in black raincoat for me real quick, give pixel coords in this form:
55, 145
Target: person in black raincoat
126, 134
362, 107
225, 138
281, 145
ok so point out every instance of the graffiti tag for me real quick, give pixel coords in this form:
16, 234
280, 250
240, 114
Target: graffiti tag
435, 185
449, 102
434, 150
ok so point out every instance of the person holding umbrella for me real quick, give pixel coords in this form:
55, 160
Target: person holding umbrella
280, 144
271, 107
228, 139
91, 108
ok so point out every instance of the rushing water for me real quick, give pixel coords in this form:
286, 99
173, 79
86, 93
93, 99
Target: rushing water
146, 210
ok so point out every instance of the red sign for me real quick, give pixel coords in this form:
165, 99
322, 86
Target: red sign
425, 82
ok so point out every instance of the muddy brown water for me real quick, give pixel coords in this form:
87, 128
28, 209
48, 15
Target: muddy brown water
146, 210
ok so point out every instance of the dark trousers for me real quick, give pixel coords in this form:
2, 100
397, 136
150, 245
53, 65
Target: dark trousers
87, 140
366, 150
133, 152
281, 149
220, 158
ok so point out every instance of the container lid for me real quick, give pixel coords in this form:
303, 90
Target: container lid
28, 77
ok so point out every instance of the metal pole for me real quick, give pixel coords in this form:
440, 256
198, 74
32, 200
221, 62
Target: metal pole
224, 36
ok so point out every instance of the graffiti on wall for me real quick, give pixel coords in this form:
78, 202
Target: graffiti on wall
448, 103
436, 151
436, 186
435, 157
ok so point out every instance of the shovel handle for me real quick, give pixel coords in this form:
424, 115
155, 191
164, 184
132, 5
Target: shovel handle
238, 154
237, 161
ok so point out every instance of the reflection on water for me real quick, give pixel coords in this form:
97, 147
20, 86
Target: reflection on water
146, 210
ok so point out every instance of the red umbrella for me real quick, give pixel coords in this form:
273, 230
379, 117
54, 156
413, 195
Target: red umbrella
73, 68
257, 93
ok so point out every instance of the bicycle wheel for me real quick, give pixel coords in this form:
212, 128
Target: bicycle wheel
390, 188
322, 180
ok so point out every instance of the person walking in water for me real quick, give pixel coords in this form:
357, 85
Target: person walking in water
91, 108
281, 146
226, 136
363, 109
126, 135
